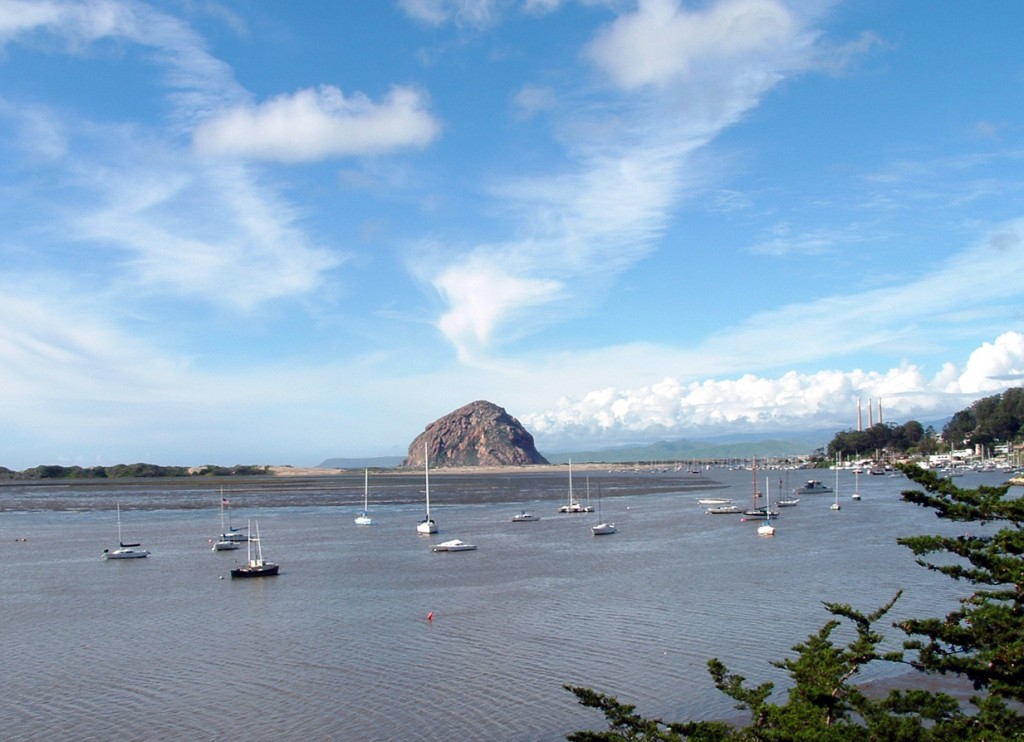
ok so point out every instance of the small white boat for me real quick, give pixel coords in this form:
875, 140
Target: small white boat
364, 519
723, 510
812, 487
710, 502
792, 502
603, 528
124, 551
524, 517
453, 545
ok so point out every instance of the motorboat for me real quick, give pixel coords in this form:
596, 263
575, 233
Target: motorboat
710, 502
723, 510
256, 566
761, 512
453, 545
124, 551
812, 487
524, 517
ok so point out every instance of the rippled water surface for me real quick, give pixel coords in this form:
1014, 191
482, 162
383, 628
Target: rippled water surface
338, 646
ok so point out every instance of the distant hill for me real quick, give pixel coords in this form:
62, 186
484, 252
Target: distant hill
378, 462
683, 450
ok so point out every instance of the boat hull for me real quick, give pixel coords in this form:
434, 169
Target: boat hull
263, 570
125, 554
604, 529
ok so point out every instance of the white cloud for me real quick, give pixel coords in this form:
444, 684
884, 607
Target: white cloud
314, 124
792, 401
661, 42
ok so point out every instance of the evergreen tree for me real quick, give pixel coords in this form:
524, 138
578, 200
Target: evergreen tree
982, 641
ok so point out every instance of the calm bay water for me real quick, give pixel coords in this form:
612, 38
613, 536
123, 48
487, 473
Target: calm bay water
339, 646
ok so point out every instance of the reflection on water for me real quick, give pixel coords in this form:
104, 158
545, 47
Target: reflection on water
339, 645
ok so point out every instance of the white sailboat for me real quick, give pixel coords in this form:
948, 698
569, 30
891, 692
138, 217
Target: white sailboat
427, 525
364, 519
603, 528
233, 535
224, 542
124, 551
766, 528
572, 506
856, 484
835, 505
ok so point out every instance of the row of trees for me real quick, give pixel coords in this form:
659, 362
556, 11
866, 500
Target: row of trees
995, 419
982, 642
130, 470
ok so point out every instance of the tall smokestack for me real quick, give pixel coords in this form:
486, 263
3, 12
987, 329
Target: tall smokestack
879, 410
860, 420
871, 420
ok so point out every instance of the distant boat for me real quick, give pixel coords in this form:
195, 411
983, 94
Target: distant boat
231, 534
835, 505
453, 545
364, 519
812, 487
572, 506
856, 485
124, 551
225, 542
789, 502
603, 528
723, 510
256, 566
759, 511
524, 517
766, 528
427, 525
708, 502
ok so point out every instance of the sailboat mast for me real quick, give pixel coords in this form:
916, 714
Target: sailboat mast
366, 488
119, 539
426, 470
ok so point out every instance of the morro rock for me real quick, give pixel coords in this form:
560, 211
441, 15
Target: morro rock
479, 434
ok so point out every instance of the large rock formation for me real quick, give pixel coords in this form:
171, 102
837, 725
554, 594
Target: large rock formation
479, 434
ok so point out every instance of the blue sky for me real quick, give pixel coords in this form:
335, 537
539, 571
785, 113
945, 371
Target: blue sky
257, 232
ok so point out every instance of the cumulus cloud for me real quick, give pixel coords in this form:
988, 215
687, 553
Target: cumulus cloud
792, 401
661, 42
313, 124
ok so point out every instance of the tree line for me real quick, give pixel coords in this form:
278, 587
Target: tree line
991, 420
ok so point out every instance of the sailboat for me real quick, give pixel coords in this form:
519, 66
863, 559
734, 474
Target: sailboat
856, 484
759, 511
427, 525
124, 551
229, 535
225, 542
256, 565
835, 505
766, 528
364, 519
572, 506
603, 528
